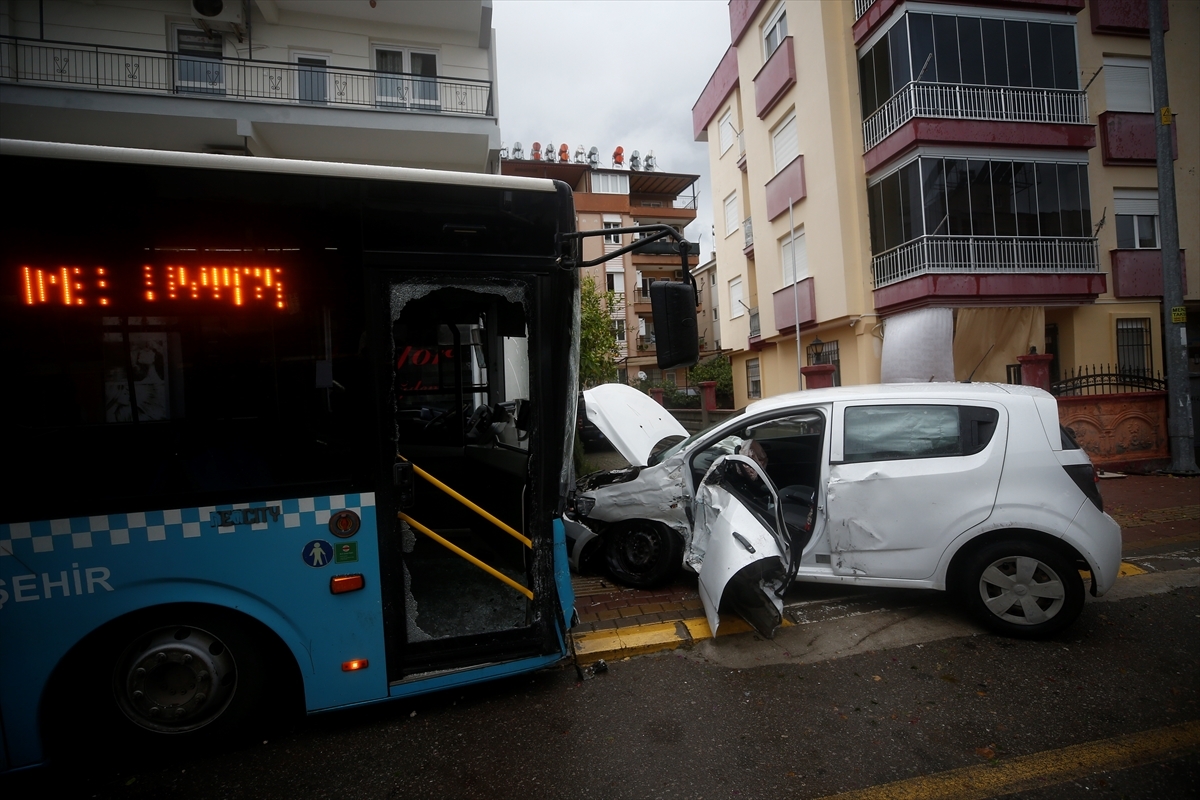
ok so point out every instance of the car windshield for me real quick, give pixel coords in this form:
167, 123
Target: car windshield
661, 456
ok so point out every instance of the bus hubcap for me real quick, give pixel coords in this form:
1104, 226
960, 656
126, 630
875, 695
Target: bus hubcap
175, 679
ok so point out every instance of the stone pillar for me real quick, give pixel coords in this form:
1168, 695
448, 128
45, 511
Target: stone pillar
1035, 370
657, 393
708, 400
818, 376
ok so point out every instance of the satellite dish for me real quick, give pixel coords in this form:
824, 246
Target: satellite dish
535, 151
517, 152
641, 375
548, 152
564, 152
635, 160
593, 157
650, 162
619, 156
503, 151
579, 157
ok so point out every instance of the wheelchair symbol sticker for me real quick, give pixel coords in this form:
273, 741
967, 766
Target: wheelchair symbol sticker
317, 553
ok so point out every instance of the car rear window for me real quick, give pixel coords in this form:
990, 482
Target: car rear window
892, 432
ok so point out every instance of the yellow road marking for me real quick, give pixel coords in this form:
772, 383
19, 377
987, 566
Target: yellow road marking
1038, 770
1125, 571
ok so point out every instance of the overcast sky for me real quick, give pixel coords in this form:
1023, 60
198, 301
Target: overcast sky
611, 73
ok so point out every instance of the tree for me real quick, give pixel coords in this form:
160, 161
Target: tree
598, 351
716, 369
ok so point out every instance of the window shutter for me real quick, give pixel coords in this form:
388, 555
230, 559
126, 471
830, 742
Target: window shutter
786, 143
1135, 201
731, 214
726, 129
801, 259
1128, 87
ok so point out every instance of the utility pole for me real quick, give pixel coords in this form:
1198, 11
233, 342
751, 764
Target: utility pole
1179, 402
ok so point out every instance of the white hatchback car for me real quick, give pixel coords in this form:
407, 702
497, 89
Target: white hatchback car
973, 488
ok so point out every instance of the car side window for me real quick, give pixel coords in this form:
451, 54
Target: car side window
893, 432
790, 449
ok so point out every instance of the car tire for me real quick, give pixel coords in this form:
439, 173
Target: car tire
642, 554
161, 680
1023, 589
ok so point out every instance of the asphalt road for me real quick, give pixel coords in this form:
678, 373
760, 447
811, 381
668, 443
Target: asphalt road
739, 717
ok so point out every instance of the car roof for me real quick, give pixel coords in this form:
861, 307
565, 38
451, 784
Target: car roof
996, 392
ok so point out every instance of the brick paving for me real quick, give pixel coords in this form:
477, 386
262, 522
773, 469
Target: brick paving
1156, 512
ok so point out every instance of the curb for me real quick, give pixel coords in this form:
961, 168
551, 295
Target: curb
653, 637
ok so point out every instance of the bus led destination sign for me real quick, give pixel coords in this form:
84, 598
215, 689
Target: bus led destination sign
165, 285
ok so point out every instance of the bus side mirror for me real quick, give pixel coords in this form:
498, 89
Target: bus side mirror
402, 477
674, 307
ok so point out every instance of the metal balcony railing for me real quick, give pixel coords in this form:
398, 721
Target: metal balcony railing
645, 344
140, 71
992, 103
860, 8
749, 231
755, 327
985, 254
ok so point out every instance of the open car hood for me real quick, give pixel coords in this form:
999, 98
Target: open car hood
631, 421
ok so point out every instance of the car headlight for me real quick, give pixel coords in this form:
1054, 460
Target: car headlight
584, 505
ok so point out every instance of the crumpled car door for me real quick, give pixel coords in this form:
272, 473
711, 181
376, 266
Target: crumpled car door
740, 558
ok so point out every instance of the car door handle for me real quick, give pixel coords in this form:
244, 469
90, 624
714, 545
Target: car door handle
744, 542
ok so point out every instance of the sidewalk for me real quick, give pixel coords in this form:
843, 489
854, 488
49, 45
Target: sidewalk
1157, 514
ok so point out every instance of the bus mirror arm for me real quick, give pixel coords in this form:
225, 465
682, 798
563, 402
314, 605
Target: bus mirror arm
656, 232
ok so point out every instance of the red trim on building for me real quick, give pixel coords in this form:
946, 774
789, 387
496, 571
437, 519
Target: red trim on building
741, 15
723, 81
785, 307
1138, 273
789, 183
1125, 17
968, 131
1128, 139
1004, 289
775, 78
879, 11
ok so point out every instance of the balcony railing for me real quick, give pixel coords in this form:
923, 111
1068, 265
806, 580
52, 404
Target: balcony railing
860, 8
645, 345
755, 326
991, 103
749, 231
163, 72
985, 254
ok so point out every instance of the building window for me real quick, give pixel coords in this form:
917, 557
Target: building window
736, 306
784, 143
1133, 346
415, 81
940, 48
726, 132
731, 214
612, 238
618, 326
774, 31
1136, 212
1127, 85
199, 69
614, 282
753, 379
976, 197
793, 269
610, 183
670, 379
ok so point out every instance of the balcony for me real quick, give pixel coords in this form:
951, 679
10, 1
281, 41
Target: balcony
645, 346
775, 78
748, 231
99, 94
164, 72
973, 270
799, 297
860, 8
976, 103
741, 162
1138, 273
1128, 139
755, 327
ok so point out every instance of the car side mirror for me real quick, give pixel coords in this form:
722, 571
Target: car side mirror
402, 477
674, 307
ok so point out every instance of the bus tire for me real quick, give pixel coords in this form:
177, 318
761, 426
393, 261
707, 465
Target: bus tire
180, 675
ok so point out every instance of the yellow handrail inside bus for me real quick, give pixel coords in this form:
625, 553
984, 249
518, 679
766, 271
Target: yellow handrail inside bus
459, 551
511, 531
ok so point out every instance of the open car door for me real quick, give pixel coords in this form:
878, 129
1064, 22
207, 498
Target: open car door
741, 547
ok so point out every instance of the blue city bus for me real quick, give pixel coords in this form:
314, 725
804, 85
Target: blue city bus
283, 434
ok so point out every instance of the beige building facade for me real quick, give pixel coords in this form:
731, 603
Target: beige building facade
930, 189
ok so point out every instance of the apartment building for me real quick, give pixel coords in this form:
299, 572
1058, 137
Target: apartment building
929, 189
409, 83
622, 196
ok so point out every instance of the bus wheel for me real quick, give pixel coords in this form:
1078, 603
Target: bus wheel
176, 679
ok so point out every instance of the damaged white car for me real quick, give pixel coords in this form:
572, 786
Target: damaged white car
972, 488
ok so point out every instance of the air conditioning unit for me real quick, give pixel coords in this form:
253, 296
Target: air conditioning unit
219, 15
